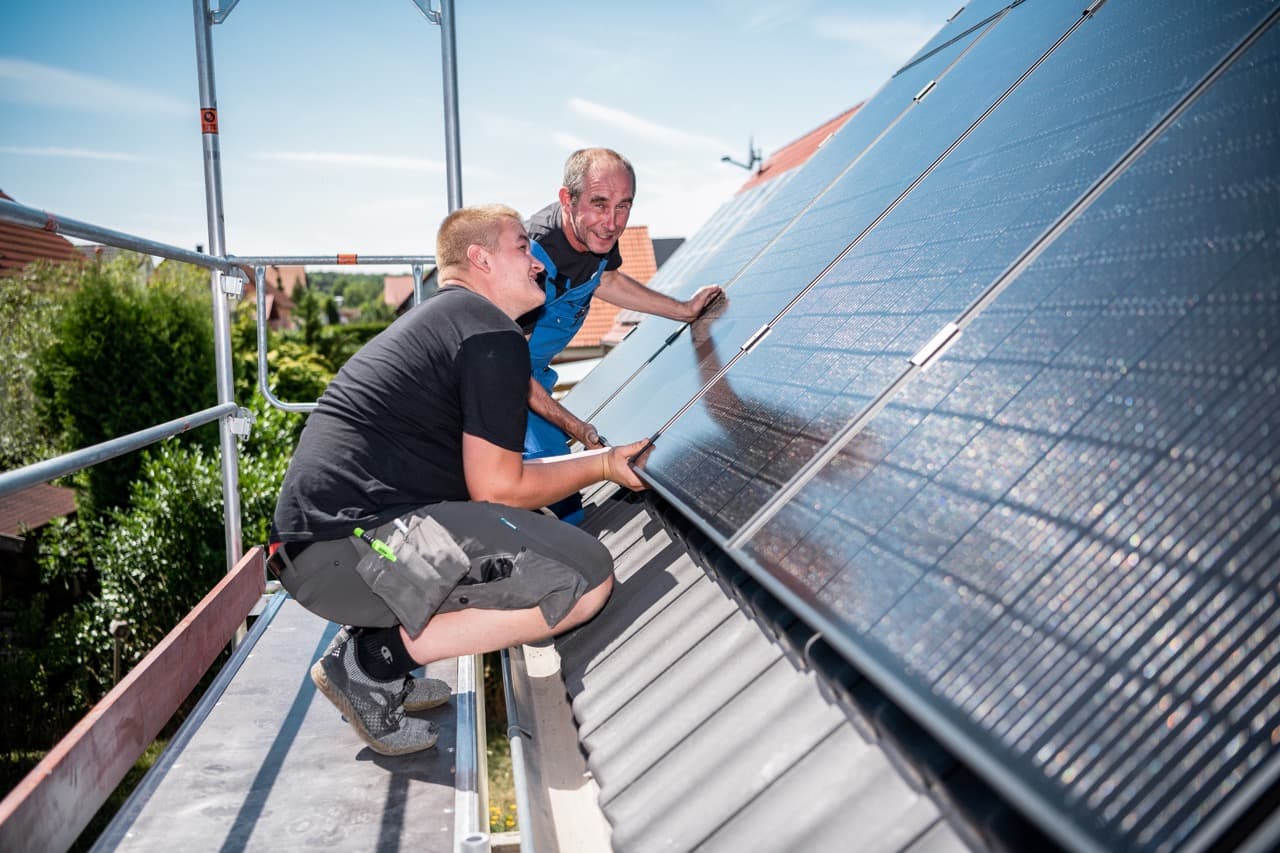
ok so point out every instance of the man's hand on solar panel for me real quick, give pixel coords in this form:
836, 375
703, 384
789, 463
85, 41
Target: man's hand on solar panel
700, 301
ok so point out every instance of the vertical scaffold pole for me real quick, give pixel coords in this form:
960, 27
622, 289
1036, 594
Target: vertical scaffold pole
221, 305
452, 148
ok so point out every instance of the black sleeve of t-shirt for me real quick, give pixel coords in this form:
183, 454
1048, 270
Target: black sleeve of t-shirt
493, 374
615, 259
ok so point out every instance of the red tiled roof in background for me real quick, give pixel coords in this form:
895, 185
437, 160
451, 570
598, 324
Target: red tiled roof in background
639, 263
20, 245
33, 508
292, 277
795, 153
397, 289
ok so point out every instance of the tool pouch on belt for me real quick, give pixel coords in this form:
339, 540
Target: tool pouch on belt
427, 567
515, 582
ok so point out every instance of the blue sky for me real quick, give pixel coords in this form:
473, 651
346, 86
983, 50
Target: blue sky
331, 113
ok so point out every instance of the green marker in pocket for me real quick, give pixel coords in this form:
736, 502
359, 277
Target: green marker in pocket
383, 549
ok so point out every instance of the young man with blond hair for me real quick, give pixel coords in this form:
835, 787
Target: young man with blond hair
406, 510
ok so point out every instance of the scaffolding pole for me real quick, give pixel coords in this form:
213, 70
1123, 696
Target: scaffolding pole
221, 302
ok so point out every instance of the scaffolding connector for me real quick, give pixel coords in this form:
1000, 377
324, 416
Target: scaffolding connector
433, 15
241, 423
232, 283
220, 14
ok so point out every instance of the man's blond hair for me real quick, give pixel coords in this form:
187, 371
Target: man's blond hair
469, 226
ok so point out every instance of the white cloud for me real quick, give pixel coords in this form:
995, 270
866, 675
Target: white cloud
896, 37
643, 128
71, 153
43, 85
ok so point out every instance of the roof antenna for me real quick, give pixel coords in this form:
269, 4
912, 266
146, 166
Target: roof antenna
753, 156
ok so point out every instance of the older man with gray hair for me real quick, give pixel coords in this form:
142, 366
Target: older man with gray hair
576, 240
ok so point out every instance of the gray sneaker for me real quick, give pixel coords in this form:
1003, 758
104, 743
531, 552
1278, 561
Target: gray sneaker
374, 708
423, 694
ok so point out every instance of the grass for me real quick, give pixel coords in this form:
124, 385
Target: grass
502, 791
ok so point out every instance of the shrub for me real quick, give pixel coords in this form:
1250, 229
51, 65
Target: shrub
124, 356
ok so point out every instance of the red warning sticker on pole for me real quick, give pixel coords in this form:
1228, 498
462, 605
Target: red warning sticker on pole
208, 121
346, 259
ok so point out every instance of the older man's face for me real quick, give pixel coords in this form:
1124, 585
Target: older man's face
597, 219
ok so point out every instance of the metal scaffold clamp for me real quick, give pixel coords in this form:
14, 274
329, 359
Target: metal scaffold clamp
241, 422
232, 283
433, 15
222, 12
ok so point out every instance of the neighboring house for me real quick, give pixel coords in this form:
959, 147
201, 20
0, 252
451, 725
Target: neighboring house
20, 245
279, 306
106, 254
665, 247
286, 279
795, 153
282, 285
22, 515
397, 290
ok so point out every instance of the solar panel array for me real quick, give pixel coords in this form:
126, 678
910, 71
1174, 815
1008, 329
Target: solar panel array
992, 404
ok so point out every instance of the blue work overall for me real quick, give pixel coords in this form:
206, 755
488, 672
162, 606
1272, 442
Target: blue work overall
562, 317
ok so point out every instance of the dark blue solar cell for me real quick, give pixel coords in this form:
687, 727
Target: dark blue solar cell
852, 336
755, 233
994, 61
1062, 538
966, 18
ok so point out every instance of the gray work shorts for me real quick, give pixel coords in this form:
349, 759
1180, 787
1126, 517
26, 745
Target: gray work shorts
517, 560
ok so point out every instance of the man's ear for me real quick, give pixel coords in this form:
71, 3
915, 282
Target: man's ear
565, 201
478, 256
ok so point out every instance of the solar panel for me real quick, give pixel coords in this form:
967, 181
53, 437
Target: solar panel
947, 240
990, 60
754, 234
969, 16
1059, 545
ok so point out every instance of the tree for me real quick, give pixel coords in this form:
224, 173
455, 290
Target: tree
297, 373
124, 357
29, 307
310, 315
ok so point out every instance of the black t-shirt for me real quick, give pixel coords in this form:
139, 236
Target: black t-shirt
386, 437
569, 267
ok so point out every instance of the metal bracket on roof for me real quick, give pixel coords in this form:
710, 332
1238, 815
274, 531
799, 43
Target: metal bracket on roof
232, 283
220, 14
935, 348
433, 15
760, 335
241, 422
928, 87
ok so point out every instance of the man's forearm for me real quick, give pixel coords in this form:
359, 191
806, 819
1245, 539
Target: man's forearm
624, 291
549, 409
501, 476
